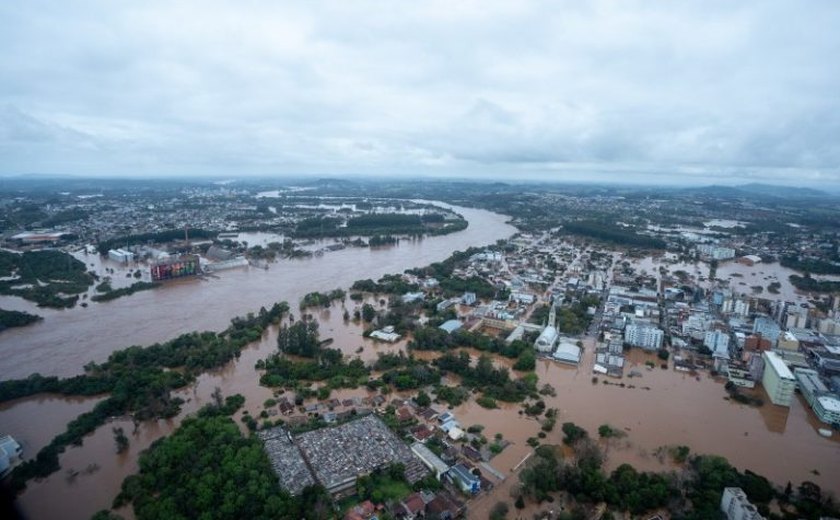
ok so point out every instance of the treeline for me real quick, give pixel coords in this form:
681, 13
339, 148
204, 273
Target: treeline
377, 224
494, 383
208, 468
612, 233
695, 494
810, 265
138, 380
433, 338
9, 319
113, 294
44, 277
156, 237
318, 299
388, 284
808, 284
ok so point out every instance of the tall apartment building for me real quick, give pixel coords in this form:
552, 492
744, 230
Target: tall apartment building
644, 335
778, 380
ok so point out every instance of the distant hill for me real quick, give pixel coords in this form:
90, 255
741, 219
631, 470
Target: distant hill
756, 190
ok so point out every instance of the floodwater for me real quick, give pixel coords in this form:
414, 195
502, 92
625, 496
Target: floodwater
676, 409
64, 341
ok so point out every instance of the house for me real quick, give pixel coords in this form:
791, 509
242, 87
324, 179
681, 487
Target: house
445, 507
364, 511
421, 433
410, 508
471, 453
429, 414
464, 479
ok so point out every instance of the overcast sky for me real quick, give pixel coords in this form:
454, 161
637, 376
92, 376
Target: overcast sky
649, 91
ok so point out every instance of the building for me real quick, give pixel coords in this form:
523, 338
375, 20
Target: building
411, 297
469, 298
826, 405
749, 260
10, 454
716, 252
567, 352
451, 326
768, 328
464, 479
548, 337
718, 342
788, 341
643, 335
121, 255
385, 334
176, 267
735, 505
778, 380
431, 460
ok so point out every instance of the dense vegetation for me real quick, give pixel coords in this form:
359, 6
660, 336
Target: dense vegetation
809, 284
138, 380
611, 233
493, 382
9, 319
378, 224
810, 265
433, 338
388, 284
208, 470
692, 494
318, 299
45, 277
113, 294
158, 237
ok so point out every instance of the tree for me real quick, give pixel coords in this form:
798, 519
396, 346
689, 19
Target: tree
368, 312
120, 439
527, 361
520, 502
423, 400
499, 511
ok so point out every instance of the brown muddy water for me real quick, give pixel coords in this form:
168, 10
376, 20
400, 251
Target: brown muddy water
678, 408
65, 340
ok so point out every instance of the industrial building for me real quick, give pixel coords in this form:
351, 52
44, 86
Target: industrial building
121, 255
735, 505
778, 380
176, 267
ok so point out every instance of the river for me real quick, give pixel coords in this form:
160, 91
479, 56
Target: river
66, 340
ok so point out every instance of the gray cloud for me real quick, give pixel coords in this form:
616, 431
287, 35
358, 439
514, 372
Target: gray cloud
562, 90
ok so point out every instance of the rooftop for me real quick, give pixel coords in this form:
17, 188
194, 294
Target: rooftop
778, 365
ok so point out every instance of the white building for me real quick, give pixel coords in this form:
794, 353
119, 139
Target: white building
643, 335
548, 337
121, 255
778, 380
735, 505
718, 342
567, 353
431, 460
468, 298
716, 252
